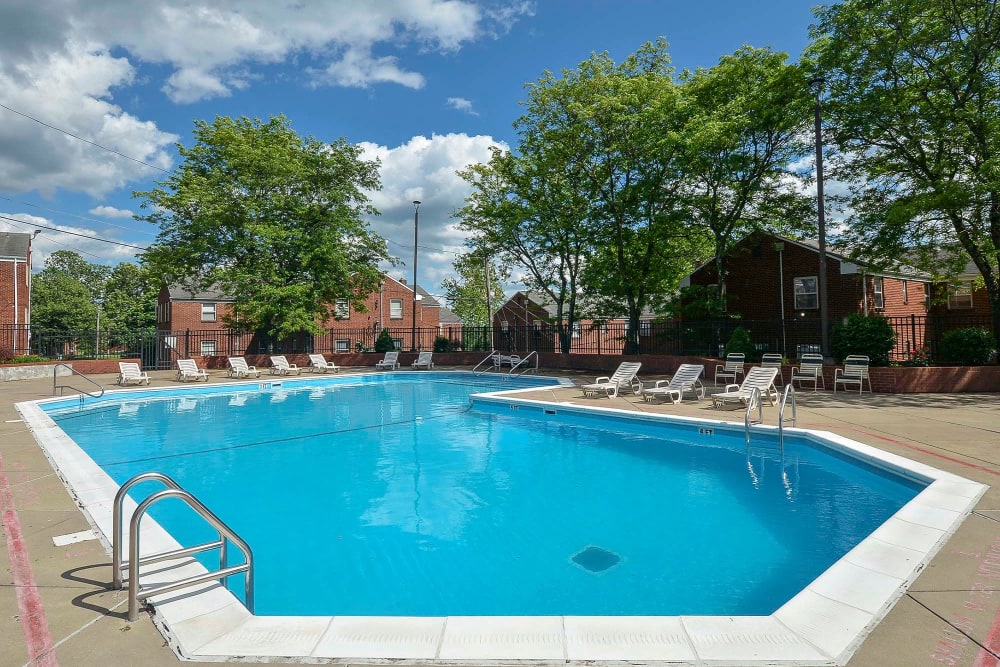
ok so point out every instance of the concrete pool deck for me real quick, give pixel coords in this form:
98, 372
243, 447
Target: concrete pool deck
63, 612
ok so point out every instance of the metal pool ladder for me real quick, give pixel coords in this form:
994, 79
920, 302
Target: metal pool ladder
523, 362
789, 394
73, 371
753, 403
173, 490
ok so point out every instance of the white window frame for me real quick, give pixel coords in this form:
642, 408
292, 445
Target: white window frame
906, 292
644, 327
208, 348
799, 292
577, 329
960, 298
342, 345
209, 311
394, 313
398, 342
878, 292
342, 309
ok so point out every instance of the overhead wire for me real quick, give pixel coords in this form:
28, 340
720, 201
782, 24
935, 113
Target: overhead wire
77, 215
63, 231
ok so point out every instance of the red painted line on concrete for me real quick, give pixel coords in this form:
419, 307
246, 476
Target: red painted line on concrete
992, 642
929, 452
35, 627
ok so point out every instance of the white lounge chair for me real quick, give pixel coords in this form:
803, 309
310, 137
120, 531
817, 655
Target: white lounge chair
686, 378
318, 363
129, 371
187, 369
423, 360
855, 371
774, 360
758, 378
732, 367
391, 361
280, 366
239, 368
624, 377
810, 369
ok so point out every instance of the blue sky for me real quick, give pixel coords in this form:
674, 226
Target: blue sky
427, 86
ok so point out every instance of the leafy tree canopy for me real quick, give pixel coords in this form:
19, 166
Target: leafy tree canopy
271, 218
914, 109
466, 294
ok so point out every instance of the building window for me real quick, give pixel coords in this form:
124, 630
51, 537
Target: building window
644, 328
906, 292
927, 296
960, 297
343, 345
208, 348
806, 291
576, 329
504, 325
342, 310
878, 292
208, 312
395, 309
398, 343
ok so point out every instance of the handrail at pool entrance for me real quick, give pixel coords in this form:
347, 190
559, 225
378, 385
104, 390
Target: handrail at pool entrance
226, 535
73, 371
489, 358
789, 393
753, 402
527, 369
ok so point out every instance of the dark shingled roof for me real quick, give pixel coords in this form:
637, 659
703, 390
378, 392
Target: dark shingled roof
14, 245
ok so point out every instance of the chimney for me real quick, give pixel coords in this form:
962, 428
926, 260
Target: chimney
402, 281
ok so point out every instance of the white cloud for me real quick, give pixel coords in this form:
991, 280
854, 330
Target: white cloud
111, 212
461, 104
425, 169
80, 239
360, 70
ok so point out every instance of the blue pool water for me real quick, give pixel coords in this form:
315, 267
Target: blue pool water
388, 495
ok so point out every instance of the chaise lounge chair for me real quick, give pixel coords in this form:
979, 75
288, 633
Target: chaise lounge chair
187, 369
774, 360
129, 371
686, 378
318, 363
391, 361
758, 378
239, 368
280, 366
423, 360
624, 377
855, 371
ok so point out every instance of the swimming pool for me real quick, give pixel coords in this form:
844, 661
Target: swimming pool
762, 473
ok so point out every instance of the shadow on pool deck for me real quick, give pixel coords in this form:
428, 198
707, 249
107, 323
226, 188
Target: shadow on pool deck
950, 615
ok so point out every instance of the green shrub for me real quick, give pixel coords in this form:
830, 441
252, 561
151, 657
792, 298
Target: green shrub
384, 342
440, 344
974, 346
740, 342
870, 335
27, 359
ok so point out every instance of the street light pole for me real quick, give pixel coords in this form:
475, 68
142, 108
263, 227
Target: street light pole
413, 320
824, 315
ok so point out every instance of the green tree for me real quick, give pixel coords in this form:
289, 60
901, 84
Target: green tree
61, 302
271, 218
914, 107
616, 127
129, 298
747, 119
466, 295
526, 210
92, 276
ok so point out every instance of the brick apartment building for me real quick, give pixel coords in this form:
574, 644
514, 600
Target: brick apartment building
15, 290
180, 310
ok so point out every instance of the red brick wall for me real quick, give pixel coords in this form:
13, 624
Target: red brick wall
12, 273
980, 303
378, 306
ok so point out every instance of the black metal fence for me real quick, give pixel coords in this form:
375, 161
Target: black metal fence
158, 349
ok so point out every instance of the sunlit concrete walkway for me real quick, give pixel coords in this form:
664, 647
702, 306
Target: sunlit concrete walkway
55, 606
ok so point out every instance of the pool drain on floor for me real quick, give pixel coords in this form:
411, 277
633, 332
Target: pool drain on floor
596, 559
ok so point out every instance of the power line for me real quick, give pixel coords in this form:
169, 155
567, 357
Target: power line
63, 231
86, 141
76, 215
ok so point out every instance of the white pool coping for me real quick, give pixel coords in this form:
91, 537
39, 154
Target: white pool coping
822, 625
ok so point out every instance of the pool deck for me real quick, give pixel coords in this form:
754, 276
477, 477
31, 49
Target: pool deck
55, 606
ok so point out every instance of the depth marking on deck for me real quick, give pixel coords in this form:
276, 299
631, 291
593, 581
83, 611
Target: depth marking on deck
37, 638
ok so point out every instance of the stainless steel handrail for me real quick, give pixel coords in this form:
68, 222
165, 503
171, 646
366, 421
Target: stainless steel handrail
753, 402
135, 591
533, 353
789, 392
55, 370
489, 358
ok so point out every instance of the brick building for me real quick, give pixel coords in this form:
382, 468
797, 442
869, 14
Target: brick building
15, 290
182, 311
965, 296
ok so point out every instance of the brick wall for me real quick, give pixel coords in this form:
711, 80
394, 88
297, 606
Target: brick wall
15, 273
